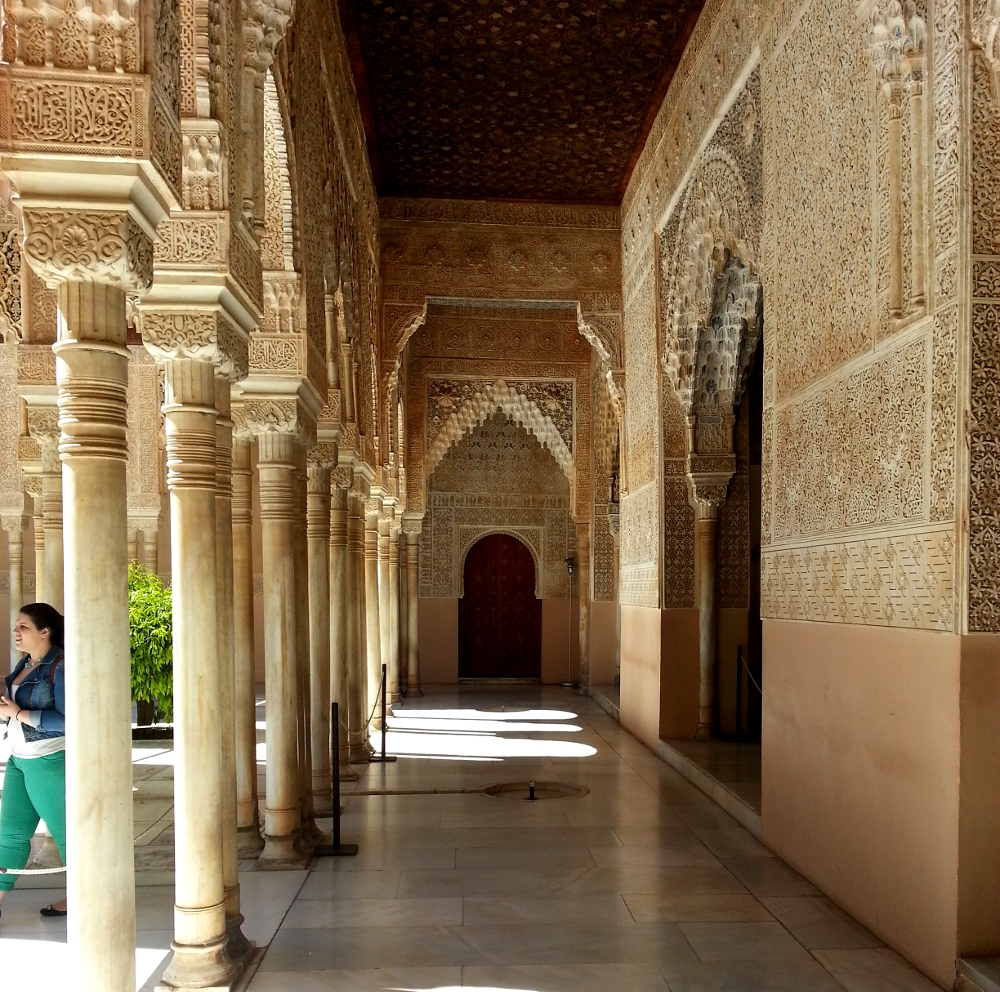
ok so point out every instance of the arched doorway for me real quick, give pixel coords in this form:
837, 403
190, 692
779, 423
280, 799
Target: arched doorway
499, 617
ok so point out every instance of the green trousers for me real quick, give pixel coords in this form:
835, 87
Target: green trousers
33, 789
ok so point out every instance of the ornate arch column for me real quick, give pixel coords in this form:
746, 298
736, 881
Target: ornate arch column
342, 593
14, 525
321, 460
43, 425
394, 611
412, 526
385, 522
373, 623
281, 426
357, 649
249, 840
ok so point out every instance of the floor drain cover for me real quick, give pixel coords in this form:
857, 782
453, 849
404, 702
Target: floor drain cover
529, 791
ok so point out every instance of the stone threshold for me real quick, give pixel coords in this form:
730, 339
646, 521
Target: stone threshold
978, 975
608, 698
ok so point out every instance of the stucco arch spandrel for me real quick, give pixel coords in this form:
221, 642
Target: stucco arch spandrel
713, 230
471, 536
517, 406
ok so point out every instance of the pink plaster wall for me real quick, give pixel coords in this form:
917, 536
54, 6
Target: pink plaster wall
861, 775
640, 684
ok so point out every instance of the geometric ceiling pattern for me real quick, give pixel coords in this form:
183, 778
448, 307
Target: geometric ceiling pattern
512, 99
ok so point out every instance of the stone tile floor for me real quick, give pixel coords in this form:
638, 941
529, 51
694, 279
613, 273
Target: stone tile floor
641, 884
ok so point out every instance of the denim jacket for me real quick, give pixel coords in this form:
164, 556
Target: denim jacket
46, 703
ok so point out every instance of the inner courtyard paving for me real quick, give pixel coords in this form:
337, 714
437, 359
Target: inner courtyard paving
642, 883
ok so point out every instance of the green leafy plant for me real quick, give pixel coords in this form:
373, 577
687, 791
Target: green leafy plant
151, 640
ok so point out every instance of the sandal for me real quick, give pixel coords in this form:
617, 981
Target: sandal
49, 911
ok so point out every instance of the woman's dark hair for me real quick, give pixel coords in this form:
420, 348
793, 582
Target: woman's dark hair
46, 617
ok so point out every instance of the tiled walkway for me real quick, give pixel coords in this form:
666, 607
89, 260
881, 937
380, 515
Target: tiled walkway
641, 884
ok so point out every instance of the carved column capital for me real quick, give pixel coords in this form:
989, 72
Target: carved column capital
264, 26
342, 477
204, 335
413, 524
708, 481
43, 426
280, 415
88, 246
322, 456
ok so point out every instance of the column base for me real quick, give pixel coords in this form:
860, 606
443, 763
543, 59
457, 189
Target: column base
206, 967
414, 691
237, 946
249, 842
705, 732
281, 854
348, 774
323, 803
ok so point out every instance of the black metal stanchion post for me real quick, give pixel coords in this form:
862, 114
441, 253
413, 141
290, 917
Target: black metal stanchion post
335, 849
382, 759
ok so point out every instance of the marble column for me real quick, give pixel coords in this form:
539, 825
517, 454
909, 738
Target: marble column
318, 533
412, 612
384, 610
52, 521
200, 958
38, 530
339, 620
357, 656
614, 526
393, 624
373, 631
276, 478
249, 841
402, 651
310, 833
238, 946
151, 550
14, 526
583, 592
706, 529
92, 375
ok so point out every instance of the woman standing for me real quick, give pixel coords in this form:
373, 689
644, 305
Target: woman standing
33, 706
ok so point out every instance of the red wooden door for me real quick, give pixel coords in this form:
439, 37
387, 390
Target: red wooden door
499, 618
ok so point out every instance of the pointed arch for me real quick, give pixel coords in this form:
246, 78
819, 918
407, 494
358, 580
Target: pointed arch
523, 411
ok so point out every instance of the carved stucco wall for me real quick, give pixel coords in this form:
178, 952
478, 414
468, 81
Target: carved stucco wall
497, 479
860, 433
469, 360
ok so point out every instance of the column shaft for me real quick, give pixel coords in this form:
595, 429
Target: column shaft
52, 516
706, 549
15, 570
238, 944
412, 615
357, 664
339, 621
200, 958
276, 475
393, 625
38, 527
384, 609
318, 532
100, 884
250, 841
583, 591
372, 613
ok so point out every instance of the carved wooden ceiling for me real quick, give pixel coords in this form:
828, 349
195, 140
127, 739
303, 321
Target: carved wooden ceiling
512, 99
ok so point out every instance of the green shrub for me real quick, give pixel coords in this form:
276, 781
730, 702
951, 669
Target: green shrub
150, 623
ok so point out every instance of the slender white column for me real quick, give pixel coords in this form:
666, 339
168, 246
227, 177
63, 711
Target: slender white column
14, 526
403, 648
92, 375
583, 587
318, 533
372, 617
238, 946
151, 550
357, 666
250, 842
276, 475
38, 527
393, 625
200, 957
52, 516
412, 613
339, 619
706, 529
310, 833
384, 609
